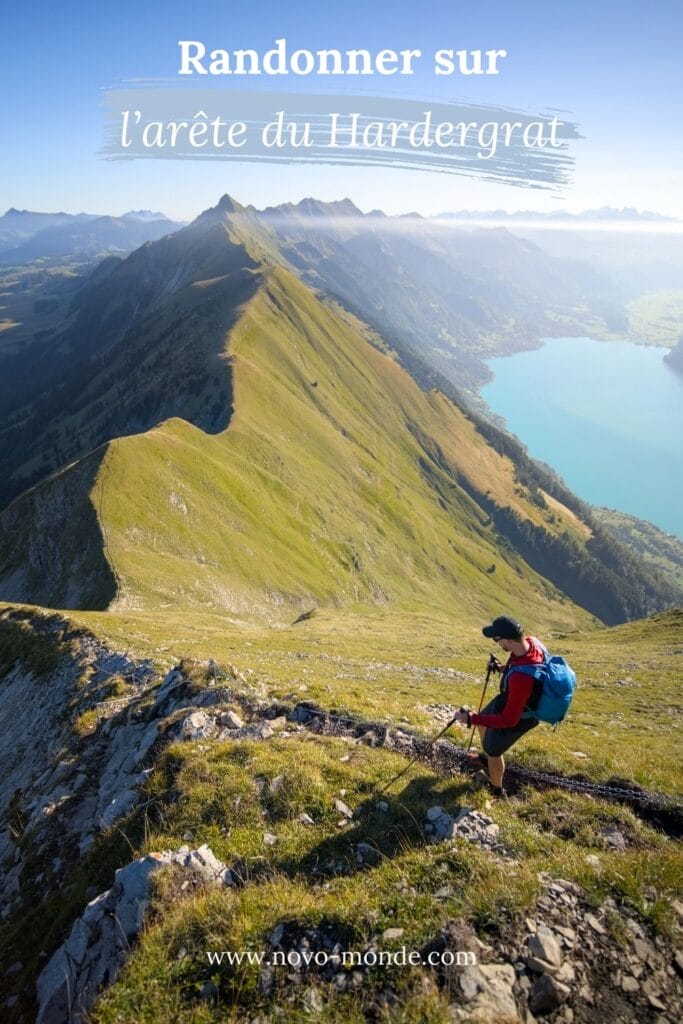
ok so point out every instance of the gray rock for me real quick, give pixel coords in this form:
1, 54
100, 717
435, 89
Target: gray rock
205, 864
341, 808
392, 933
54, 991
540, 966
644, 950
262, 731
145, 744
198, 726
614, 839
266, 980
545, 946
593, 923
471, 983
117, 807
488, 992
276, 785
269, 839
566, 973
131, 885
548, 994
84, 844
231, 719
313, 1001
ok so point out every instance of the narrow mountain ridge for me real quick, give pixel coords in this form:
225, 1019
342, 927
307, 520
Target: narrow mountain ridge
335, 479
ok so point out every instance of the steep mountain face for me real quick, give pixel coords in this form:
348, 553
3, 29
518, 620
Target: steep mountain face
454, 295
52, 548
663, 550
144, 341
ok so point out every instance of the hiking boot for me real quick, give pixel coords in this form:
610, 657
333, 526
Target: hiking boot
476, 762
497, 792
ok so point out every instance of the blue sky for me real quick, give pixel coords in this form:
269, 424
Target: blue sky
614, 67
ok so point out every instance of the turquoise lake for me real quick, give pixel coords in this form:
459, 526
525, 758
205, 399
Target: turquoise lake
608, 417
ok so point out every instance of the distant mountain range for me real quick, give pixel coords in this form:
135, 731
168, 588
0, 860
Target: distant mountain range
26, 235
628, 214
203, 426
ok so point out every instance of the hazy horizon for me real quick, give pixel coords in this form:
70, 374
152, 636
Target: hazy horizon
615, 221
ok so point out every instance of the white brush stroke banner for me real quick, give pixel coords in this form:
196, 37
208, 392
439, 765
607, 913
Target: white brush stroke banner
492, 143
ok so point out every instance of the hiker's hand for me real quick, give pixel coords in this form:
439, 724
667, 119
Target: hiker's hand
494, 664
460, 717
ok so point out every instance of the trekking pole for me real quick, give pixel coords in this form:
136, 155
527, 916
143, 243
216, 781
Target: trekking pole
491, 667
417, 756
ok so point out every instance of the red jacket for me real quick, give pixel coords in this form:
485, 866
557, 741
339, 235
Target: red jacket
519, 689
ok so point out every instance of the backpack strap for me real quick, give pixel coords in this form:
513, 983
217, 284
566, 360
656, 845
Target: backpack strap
536, 672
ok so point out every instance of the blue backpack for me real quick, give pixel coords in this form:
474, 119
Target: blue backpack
558, 682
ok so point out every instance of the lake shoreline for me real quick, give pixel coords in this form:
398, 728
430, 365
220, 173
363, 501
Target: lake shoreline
605, 416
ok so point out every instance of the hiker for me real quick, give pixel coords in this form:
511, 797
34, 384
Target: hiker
500, 723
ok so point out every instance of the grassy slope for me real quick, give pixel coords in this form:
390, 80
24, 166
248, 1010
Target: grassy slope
314, 494
662, 550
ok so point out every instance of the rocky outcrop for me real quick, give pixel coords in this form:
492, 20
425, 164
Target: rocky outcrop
568, 963
49, 773
101, 938
474, 826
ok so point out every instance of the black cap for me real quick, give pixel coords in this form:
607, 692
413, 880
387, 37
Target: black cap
505, 628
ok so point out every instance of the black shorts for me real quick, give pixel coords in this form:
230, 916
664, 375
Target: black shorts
497, 741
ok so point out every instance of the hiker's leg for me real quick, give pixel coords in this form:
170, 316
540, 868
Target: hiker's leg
496, 771
498, 741
496, 767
